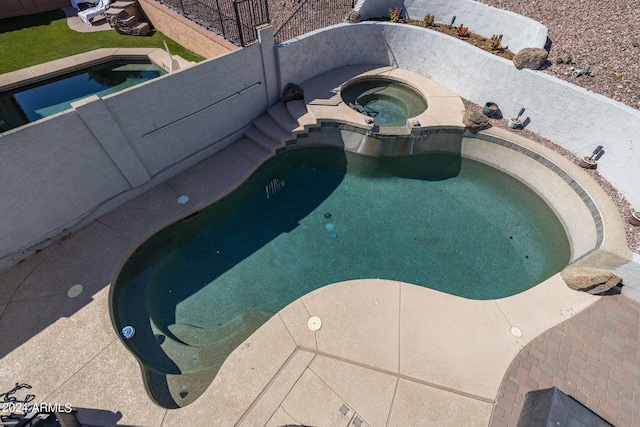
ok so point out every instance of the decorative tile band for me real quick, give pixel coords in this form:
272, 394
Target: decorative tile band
588, 201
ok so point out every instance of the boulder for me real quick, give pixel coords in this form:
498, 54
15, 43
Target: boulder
530, 57
292, 92
591, 280
474, 121
353, 16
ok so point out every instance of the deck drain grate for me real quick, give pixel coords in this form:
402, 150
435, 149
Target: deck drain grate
344, 409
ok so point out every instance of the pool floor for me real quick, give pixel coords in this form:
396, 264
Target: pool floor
438, 221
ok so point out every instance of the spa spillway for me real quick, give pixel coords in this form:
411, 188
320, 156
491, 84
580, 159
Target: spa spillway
388, 102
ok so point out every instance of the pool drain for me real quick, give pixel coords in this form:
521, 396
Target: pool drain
314, 323
75, 290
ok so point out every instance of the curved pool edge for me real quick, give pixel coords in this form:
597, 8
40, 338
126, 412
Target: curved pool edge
474, 145
377, 335
610, 244
611, 250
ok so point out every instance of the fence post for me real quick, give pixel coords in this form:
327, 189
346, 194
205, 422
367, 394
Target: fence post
220, 18
239, 23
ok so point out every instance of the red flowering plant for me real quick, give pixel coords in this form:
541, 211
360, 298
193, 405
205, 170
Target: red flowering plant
395, 14
428, 20
463, 31
495, 42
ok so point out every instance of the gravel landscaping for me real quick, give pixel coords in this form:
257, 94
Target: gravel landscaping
604, 35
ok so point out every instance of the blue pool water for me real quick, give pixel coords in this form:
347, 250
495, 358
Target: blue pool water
388, 102
52, 96
315, 216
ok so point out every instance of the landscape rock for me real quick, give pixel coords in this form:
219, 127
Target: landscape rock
591, 280
475, 121
564, 58
353, 16
292, 92
530, 57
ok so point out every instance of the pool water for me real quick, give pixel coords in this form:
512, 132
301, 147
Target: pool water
42, 99
315, 216
388, 102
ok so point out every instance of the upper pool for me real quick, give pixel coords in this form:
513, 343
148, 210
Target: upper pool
388, 102
314, 216
45, 98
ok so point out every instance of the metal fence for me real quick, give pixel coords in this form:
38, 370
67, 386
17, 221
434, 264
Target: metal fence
235, 20
312, 15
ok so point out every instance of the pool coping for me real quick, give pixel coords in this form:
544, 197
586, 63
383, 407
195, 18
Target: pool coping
383, 346
46, 70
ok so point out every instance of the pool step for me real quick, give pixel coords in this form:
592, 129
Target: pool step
281, 116
270, 128
298, 111
264, 141
251, 150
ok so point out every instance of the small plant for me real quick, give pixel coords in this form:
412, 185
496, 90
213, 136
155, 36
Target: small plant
495, 42
395, 14
428, 20
463, 31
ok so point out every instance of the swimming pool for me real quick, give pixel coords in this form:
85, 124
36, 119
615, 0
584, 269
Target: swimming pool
38, 100
314, 216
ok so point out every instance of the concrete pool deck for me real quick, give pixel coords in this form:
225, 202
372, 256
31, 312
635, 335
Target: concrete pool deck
388, 353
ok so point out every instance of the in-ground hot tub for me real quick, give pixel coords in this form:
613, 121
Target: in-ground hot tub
388, 102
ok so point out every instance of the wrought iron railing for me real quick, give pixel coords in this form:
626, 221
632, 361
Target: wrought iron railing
312, 15
235, 20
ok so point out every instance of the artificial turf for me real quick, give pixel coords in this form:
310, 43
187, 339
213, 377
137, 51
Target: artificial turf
33, 39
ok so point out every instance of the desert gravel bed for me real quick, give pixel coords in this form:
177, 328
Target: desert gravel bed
604, 35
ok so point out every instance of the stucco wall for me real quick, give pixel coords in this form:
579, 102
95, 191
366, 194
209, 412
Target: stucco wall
9, 8
569, 115
518, 31
63, 171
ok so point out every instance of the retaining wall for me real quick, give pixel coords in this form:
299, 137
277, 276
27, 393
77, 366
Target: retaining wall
518, 31
571, 116
184, 31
